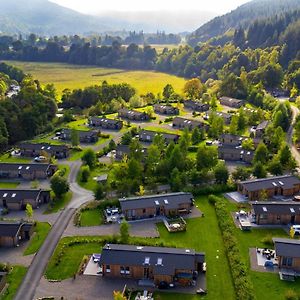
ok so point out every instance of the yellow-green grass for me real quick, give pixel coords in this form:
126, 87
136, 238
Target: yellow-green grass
73, 76
41, 231
79, 124
14, 279
58, 204
13, 159
157, 128
8, 185
203, 234
91, 217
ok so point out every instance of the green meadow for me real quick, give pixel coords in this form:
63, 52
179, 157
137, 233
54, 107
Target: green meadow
75, 76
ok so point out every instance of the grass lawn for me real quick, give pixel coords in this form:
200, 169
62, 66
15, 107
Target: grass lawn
202, 234
158, 128
92, 217
75, 155
14, 159
78, 124
14, 280
74, 77
8, 185
41, 231
67, 265
57, 205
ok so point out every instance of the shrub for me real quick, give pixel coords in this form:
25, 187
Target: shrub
267, 240
85, 173
291, 295
243, 286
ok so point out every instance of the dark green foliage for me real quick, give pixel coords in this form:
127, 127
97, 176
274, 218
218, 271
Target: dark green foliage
89, 157
59, 185
85, 173
221, 173
99, 192
243, 286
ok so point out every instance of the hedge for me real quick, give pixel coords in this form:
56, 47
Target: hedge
242, 284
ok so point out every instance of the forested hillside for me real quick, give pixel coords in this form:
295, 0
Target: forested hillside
242, 17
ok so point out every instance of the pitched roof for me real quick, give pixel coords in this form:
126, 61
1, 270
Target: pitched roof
105, 120
285, 181
164, 260
287, 247
280, 208
152, 134
166, 107
131, 112
126, 150
43, 146
262, 125
178, 120
17, 195
24, 168
231, 99
10, 229
82, 133
171, 201
235, 150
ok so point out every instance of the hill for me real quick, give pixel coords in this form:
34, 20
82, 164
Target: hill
242, 17
45, 18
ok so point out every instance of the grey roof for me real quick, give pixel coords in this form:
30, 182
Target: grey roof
222, 114
263, 125
171, 201
16, 195
126, 150
195, 104
131, 112
235, 150
287, 247
279, 208
168, 136
43, 146
102, 177
234, 137
166, 107
232, 100
10, 229
171, 258
105, 120
179, 120
285, 182
82, 133
24, 168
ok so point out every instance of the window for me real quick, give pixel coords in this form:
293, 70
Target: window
127, 271
287, 261
144, 210
263, 216
278, 217
107, 268
147, 260
122, 270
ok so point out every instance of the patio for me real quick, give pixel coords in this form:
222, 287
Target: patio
263, 260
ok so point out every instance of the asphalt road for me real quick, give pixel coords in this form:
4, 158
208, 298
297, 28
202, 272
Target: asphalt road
36, 270
294, 150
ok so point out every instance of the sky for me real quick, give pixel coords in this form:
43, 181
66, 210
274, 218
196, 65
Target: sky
102, 6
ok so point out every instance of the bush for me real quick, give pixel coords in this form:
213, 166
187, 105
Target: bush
85, 173
212, 189
267, 240
243, 286
291, 295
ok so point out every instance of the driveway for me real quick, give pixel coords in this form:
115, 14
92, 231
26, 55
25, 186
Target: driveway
14, 256
138, 229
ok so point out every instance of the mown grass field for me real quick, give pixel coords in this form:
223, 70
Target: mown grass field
41, 231
72, 76
14, 279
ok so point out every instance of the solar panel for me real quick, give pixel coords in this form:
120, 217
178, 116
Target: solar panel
292, 210
147, 260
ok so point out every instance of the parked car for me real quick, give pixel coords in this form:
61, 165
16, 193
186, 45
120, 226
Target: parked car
163, 285
40, 159
96, 257
297, 229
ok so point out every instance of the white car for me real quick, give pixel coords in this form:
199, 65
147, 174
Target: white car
40, 158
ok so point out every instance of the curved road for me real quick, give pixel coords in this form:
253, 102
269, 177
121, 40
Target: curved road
295, 152
36, 270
